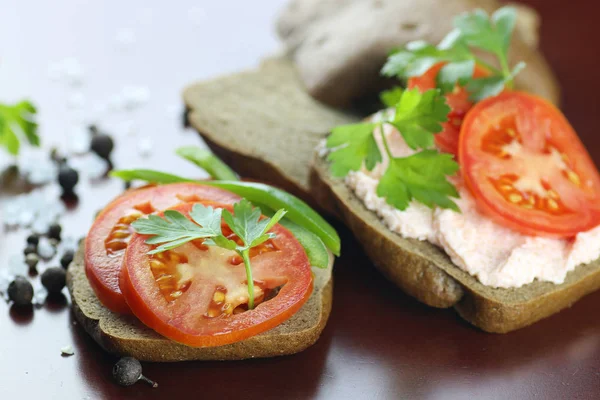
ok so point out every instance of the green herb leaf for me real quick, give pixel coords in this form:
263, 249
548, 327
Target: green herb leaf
423, 177
454, 73
417, 57
18, 120
420, 115
391, 97
473, 30
493, 34
482, 88
206, 160
504, 20
245, 222
352, 145
175, 229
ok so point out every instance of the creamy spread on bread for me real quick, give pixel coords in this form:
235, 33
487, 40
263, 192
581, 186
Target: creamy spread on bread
497, 256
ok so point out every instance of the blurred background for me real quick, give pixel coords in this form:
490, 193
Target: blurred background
122, 65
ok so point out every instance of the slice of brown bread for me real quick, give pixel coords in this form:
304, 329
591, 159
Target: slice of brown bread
262, 123
425, 272
266, 131
126, 335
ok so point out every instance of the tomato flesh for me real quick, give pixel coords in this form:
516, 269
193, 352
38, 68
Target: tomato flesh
458, 101
111, 232
527, 168
197, 295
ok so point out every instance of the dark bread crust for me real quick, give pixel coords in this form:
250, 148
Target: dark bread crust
426, 273
125, 335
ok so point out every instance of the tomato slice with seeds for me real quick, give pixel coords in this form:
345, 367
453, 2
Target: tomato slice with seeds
198, 295
458, 101
110, 233
527, 168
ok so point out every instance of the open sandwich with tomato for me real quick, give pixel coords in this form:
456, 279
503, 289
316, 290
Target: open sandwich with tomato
204, 270
463, 190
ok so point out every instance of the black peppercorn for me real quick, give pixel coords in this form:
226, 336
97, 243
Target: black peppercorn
103, 145
30, 249
128, 371
32, 260
20, 291
33, 239
67, 178
54, 279
66, 259
54, 231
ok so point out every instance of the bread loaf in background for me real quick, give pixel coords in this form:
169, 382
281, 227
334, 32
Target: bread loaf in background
339, 46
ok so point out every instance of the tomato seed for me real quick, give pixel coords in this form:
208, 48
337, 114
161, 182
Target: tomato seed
573, 177
219, 297
515, 198
552, 204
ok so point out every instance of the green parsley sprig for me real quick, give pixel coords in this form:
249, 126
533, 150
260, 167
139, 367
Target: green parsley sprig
474, 33
17, 120
421, 176
175, 229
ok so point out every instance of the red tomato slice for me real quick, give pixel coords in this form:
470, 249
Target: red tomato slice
107, 239
197, 295
458, 100
527, 168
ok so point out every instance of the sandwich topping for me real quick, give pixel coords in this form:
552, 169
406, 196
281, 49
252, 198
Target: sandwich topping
496, 178
497, 255
197, 262
197, 292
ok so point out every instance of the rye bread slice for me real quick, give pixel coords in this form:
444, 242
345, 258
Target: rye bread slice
253, 119
425, 272
126, 335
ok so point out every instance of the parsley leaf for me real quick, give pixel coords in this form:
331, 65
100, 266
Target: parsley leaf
391, 97
473, 31
455, 73
482, 88
175, 229
418, 56
246, 224
17, 120
419, 115
422, 176
493, 35
355, 143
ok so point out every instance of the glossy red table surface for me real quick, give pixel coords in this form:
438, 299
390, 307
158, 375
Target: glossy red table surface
379, 343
